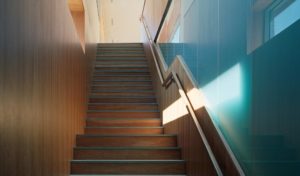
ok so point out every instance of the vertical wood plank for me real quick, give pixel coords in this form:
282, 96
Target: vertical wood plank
43, 87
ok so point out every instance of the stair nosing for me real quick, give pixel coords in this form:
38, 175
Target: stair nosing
122, 81
123, 75
116, 71
125, 135
128, 97
128, 161
142, 85
117, 127
141, 59
118, 66
126, 148
126, 175
119, 111
125, 91
123, 103
112, 118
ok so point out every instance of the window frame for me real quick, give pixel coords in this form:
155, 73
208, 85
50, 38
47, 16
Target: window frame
271, 12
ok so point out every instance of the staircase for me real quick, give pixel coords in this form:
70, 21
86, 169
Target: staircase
124, 133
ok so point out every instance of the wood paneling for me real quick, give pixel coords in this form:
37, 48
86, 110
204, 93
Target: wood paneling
43, 87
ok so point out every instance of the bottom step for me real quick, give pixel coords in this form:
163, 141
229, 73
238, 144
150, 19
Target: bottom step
133, 167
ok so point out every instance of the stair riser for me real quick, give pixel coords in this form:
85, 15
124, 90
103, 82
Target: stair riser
121, 55
134, 77
122, 107
120, 59
122, 100
125, 94
127, 154
123, 114
121, 131
123, 123
120, 50
120, 64
122, 83
123, 88
124, 72
139, 168
133, 69
126, 141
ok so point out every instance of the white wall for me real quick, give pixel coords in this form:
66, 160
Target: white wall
92, 20
120, 20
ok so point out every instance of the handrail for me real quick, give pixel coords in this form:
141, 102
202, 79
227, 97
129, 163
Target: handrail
165, 82
152, 50
172, 77
143, 8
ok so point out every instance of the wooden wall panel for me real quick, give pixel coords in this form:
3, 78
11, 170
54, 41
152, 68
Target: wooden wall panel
43, 87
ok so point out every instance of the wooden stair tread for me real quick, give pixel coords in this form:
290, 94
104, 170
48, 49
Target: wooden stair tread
116, 111
126, 135
128, 161
124, 175
127, 148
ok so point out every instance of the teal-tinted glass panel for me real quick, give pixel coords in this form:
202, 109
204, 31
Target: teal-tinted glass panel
252, 97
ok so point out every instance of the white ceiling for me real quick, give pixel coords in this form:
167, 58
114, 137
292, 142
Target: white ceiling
119, 20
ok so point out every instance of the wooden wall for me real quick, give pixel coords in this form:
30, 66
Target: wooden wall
43, 87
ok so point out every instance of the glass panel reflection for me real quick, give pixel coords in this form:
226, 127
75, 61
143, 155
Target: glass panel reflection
250, 82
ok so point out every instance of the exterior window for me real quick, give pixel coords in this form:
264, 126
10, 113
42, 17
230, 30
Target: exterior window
282, 14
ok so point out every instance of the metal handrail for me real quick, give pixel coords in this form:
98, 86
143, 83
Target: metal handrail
165, 83
152, 50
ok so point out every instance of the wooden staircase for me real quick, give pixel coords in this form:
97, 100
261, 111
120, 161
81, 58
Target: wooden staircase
124, 133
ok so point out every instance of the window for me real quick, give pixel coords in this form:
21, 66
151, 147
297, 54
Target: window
280, 15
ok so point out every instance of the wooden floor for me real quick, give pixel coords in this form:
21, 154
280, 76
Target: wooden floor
124, 133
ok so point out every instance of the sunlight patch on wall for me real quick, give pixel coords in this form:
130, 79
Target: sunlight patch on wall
196, 98
175, 111
232, 80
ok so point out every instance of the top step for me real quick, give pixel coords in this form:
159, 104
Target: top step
119, 44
